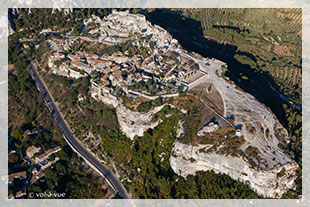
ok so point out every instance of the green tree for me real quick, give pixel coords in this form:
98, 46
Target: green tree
18, 134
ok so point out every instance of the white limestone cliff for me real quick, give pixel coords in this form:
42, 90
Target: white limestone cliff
134, 123
187, 160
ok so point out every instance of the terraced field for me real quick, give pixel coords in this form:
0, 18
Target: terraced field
270, 37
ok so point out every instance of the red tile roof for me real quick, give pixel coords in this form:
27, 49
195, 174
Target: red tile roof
106, 69
118, 53
56, 54
76, 63
101, 61
116, 73
80, 53
73, 56
17, 175
105, 77
115, 67
105, 57
137, 63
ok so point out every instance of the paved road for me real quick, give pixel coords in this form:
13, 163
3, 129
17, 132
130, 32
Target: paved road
113, 180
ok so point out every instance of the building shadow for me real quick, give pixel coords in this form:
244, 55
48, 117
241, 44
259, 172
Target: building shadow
190, 35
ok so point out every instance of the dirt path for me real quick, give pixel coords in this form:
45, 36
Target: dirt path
246, 109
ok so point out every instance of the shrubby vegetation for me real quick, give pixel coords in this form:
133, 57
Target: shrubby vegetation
146, 160
295, 147
155, 178
69, 176
41, 18
245, 60
248, 31
27, 110
146, 106
143, 107
249, 52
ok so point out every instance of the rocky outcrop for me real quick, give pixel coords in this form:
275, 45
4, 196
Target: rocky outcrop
65, 11
10, 27
256, 158
120, 24
211, 127
100, 93
134, 123
187, 160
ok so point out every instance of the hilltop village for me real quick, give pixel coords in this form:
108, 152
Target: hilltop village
149, 56
127, 58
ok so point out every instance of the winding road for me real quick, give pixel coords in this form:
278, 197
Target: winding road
72, 140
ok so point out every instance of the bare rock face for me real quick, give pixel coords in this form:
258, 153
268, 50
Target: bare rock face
135, 123
211, 127
123, 23
187, 160
258, 161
